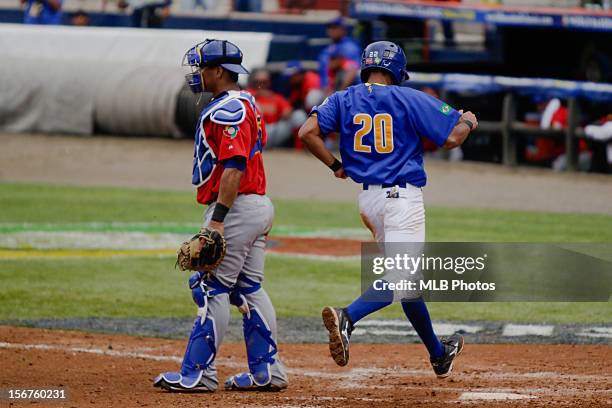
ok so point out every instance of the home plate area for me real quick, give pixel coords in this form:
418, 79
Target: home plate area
117, 370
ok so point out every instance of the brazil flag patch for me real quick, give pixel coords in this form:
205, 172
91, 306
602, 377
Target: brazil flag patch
445, 109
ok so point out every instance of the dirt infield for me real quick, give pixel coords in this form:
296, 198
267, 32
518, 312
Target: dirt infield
166, 164
104, 370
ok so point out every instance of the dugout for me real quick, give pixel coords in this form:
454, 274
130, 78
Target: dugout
502, 104
566, 43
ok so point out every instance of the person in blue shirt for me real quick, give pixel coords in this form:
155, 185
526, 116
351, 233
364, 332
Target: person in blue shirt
341, 44
42, 12
380, 126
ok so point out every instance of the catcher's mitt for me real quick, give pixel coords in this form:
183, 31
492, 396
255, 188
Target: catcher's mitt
204, 252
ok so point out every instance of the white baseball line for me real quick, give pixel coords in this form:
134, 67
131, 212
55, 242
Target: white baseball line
493, 396
442, 329
601, 332
512, 330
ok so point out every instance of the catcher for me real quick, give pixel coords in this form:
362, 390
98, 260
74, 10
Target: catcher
228, 172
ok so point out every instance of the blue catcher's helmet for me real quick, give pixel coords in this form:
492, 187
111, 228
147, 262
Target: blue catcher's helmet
386, 56
211, 53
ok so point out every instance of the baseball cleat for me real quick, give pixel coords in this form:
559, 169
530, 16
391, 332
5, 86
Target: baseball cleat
453, 346
339, 325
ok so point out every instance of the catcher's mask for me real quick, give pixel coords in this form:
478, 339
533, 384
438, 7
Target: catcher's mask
211, 53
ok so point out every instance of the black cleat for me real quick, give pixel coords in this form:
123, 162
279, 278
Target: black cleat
453, 346
340, 328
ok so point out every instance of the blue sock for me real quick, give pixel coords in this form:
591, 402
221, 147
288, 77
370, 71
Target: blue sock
417, 313
370, 301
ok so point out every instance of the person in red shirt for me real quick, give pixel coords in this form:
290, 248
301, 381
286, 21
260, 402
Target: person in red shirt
342, 71
301, 83
275, 109
305, 92
228, 172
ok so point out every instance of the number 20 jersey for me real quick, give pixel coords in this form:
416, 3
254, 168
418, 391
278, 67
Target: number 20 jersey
380, 129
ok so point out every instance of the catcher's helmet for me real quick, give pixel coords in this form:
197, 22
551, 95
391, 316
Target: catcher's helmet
212, 53
386, 56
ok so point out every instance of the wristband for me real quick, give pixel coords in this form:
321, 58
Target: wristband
336, 165
468, 123
219, 212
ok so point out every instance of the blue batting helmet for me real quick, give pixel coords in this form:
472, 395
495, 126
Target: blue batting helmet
386, 56
212, 53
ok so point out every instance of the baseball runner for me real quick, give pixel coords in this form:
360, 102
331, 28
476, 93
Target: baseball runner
380, 126
228, 172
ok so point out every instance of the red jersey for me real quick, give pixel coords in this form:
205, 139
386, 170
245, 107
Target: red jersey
311, 81
271, 105
245, 139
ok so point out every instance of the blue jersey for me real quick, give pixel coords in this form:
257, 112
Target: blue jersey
380, 130
40, 12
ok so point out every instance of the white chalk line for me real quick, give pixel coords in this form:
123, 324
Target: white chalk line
493, 396
403, 328
597, 332
380, 328
513, 330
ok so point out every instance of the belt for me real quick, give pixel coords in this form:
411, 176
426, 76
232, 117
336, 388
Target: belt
400, 185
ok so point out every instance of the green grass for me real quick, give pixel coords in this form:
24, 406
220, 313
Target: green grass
40, 203
150, 286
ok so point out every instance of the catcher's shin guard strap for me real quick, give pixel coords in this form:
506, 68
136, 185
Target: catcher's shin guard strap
203, 287
245, 290
261, 348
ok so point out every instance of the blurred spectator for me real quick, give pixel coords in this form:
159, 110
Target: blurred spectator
80, 19
253, 6
190, 5
274, 108
341, 72
304, 93
550, 150
599, 135
341, 44
147, 13
447, 27
42, 12
552, 115
301, 82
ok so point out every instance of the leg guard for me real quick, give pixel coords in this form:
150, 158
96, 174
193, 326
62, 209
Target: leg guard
201, 350
261, 350
261, 347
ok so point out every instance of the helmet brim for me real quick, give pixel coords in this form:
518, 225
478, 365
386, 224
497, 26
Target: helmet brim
237, 68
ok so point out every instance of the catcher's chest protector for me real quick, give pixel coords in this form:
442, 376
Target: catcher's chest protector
227, 110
